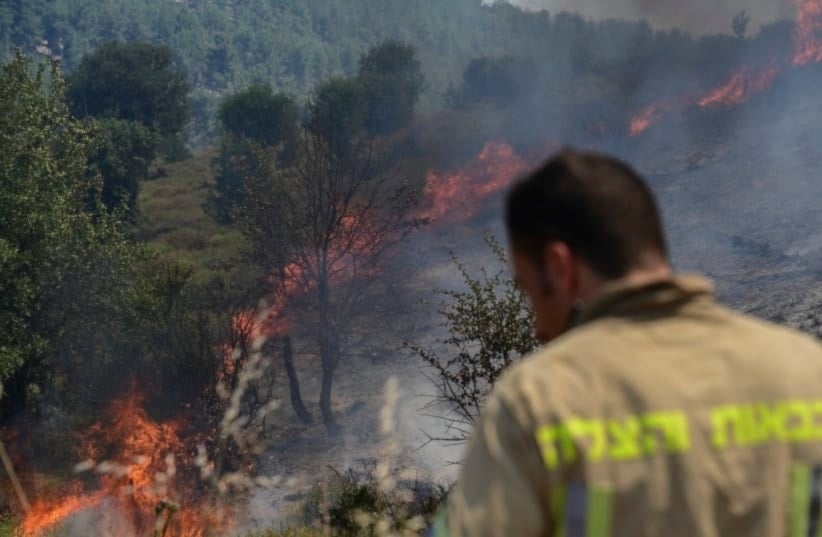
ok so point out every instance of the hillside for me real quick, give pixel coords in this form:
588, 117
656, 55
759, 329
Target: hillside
225, 45
175, 224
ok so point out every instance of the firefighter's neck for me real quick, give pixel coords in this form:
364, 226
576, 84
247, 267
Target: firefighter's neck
652, 269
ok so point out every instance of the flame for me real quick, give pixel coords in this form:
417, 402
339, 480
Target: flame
739, 88
455, 195
140, 471
358, 236
45, 515
807, 41
459, 195
647, 117
746, 82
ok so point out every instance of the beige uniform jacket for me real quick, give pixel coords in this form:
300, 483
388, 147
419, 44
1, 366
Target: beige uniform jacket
661, 414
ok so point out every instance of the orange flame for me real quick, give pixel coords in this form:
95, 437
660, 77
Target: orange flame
341, 262
45, 515
808, 44
647, 117
739, 88
745, 82
456, 195
139, 472
459, 195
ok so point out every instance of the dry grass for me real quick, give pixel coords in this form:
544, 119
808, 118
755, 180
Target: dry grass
175, 224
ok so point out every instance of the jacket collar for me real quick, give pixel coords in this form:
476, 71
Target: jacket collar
621, 299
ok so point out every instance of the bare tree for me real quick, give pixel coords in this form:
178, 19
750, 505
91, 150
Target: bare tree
322, 228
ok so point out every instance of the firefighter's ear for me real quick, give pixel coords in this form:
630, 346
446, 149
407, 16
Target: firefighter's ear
560, 263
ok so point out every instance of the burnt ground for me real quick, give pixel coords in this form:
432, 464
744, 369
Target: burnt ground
742, 207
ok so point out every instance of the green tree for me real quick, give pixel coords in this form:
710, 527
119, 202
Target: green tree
61, 263
340, 104
250, 119
260, 115
134, 82
126, 150
489, 325
495, 80
392, 79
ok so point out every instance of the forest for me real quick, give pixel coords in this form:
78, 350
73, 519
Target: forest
212, 215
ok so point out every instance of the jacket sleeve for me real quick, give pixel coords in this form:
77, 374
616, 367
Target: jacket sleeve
499, 491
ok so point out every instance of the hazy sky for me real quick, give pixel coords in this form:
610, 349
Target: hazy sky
698, 16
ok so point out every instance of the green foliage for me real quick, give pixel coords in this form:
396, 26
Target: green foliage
252, 119
391, 77
8, 526
340, 106
79, 303
123, 158
489, 326
495, 80
133, 82
260, 115
62, 262
297, 44
228, 191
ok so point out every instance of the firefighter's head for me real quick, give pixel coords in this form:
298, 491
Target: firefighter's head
579, 221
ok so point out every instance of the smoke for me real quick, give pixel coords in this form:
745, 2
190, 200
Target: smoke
696, 16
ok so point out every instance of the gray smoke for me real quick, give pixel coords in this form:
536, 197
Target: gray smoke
697, 16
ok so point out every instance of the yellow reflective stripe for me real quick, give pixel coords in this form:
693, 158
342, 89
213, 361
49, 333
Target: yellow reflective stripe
598, 512
799, 500
558, 497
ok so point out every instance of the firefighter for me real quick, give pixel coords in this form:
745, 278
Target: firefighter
651, 410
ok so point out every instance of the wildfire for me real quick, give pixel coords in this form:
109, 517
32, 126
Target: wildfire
808, 44
139, 473
746, 82
739, 88
458, 195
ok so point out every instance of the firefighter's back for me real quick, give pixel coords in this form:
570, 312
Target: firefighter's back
667, 414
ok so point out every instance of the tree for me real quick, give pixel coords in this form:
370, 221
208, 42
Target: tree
490, 325
64, 263
124, 156
341, 106
495, 80
134, 82
740, 24
252, 118
259, 114
392, 79
322, 229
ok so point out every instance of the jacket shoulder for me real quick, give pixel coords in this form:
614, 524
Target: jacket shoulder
549, 378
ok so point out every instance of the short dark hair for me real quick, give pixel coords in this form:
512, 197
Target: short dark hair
598, 205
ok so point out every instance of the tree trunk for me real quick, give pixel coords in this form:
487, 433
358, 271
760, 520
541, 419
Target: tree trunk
328, 348
294, 383
325, 400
